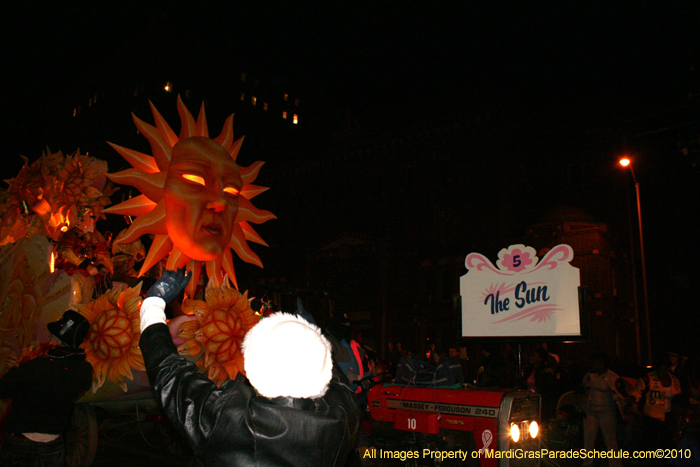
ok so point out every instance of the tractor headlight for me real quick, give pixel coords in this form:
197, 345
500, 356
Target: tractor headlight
534, 429
515, 432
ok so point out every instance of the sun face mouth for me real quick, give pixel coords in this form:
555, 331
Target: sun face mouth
215, 229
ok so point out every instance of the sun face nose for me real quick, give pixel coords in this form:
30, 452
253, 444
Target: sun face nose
217, 204
217, 201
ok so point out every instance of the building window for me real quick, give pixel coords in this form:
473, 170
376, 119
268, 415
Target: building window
296, 102
242, 96
75, 111
284, 114
243, 77
253, 100
90, 102
94, 99
265, 106
286, 97
296, 119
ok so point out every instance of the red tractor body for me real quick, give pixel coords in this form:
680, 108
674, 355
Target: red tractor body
429, 422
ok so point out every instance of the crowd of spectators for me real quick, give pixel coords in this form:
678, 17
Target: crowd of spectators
614, 403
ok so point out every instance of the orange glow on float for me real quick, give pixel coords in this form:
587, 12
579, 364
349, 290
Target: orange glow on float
53, 188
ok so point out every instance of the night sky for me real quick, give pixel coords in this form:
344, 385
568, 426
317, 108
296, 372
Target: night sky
585, 79
605, 57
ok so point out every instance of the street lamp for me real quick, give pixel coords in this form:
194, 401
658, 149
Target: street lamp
626, 162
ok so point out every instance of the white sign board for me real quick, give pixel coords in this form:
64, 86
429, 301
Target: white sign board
521, 296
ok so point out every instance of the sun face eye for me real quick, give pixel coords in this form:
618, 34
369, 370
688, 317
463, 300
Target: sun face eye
231, 190
194, 178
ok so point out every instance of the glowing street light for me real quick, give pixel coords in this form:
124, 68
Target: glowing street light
626, 162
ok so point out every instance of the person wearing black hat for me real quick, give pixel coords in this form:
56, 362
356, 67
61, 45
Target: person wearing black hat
43, 391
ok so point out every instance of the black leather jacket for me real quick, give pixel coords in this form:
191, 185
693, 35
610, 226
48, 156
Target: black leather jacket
232, 426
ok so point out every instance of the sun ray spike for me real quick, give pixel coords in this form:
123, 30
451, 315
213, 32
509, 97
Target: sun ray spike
248, 212
196, 268
229, 269
188, 126
160, 247
226, 137
150, 223
132, 207
251, 191
150, 185
214, 271
240, 246
161, 150
138, 160
176, 260
201, 125
163, 126
251, 235
249, 174
235, 147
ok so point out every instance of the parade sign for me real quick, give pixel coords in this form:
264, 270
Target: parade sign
521, 297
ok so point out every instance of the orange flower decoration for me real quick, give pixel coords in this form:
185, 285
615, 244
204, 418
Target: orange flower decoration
77, 176
53, 187
29, 185
223, 319
112, 344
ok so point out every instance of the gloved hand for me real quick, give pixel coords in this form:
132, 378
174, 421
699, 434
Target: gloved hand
170, 284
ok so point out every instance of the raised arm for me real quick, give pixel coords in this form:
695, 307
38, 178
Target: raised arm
192, 402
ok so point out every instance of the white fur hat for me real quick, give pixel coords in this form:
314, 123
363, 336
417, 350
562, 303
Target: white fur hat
287, 356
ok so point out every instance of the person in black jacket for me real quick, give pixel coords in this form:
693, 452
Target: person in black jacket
294, 409
43, 391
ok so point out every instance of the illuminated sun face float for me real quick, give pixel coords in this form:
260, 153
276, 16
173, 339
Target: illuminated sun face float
196, 201
195, 198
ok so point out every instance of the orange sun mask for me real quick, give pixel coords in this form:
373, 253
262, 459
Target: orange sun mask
195, 198
201, 198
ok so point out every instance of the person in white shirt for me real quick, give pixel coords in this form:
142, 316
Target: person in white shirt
600, 407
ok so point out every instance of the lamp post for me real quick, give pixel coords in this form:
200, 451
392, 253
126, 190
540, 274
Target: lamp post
625, 162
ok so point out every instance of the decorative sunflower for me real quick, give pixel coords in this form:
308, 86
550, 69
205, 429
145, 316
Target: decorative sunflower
215, 336
111, 346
